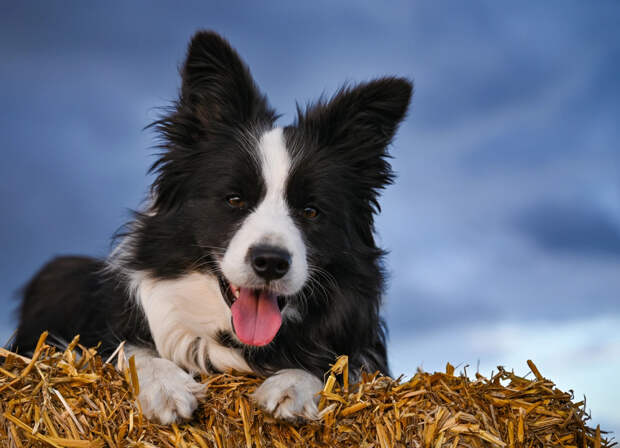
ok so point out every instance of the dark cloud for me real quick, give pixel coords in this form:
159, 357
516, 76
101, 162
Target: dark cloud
571, 229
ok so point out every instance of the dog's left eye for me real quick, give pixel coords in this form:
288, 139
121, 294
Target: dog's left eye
310, 213
235, 201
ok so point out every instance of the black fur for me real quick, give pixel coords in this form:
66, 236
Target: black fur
340, 152
73, 295
226, 339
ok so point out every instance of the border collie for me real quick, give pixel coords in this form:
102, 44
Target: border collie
255, 252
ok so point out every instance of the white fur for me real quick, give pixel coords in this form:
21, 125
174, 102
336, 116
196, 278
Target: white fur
290, 394
184, 317
270, 223
167, 392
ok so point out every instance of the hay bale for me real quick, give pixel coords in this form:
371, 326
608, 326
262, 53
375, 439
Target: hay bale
72, 399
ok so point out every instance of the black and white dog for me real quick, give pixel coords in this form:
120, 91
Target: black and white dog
256, 250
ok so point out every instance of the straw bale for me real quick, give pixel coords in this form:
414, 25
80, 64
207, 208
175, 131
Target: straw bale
73, 399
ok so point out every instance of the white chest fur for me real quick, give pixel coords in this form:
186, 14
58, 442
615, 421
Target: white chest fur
184, 316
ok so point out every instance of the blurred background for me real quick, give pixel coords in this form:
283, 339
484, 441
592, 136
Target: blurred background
504, 223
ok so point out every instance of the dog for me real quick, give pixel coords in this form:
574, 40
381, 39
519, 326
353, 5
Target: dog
255, 252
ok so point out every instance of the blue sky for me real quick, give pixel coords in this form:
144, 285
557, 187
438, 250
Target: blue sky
503, 226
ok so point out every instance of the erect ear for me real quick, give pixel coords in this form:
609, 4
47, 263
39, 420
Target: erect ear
217, 85
367, 114
358, 124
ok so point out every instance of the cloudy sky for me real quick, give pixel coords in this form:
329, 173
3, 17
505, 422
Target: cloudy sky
503, 226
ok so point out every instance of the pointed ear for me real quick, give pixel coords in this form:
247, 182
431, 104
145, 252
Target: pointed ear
357, 125
217, 85
365, 117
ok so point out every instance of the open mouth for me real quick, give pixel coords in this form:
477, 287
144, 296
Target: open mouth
256, 313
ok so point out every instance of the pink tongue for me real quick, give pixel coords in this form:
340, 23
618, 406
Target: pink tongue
256, 317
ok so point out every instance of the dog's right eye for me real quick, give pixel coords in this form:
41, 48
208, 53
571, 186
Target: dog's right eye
235, 201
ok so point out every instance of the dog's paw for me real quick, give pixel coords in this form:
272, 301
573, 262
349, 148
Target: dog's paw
167, 393
290, 394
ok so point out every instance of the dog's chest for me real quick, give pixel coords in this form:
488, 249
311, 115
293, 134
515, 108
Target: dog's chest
190, 323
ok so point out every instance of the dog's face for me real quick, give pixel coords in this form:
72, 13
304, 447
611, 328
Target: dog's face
267, 249
273, 212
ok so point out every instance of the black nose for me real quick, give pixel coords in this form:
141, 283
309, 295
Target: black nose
271, 263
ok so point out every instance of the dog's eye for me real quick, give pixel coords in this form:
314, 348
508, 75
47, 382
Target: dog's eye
235, 201
310, 213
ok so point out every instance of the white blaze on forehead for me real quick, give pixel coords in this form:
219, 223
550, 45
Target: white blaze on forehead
276, 164
270, 223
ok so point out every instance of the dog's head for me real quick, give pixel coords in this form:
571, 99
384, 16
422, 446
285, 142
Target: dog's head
271, 210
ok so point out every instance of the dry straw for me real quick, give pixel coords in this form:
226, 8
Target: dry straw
72, 399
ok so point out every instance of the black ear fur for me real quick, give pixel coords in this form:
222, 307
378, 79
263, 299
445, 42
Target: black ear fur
217, 85
355, 127
368, 113
218, 97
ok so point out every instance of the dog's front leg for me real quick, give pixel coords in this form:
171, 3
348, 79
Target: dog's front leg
167, 392
290, 394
